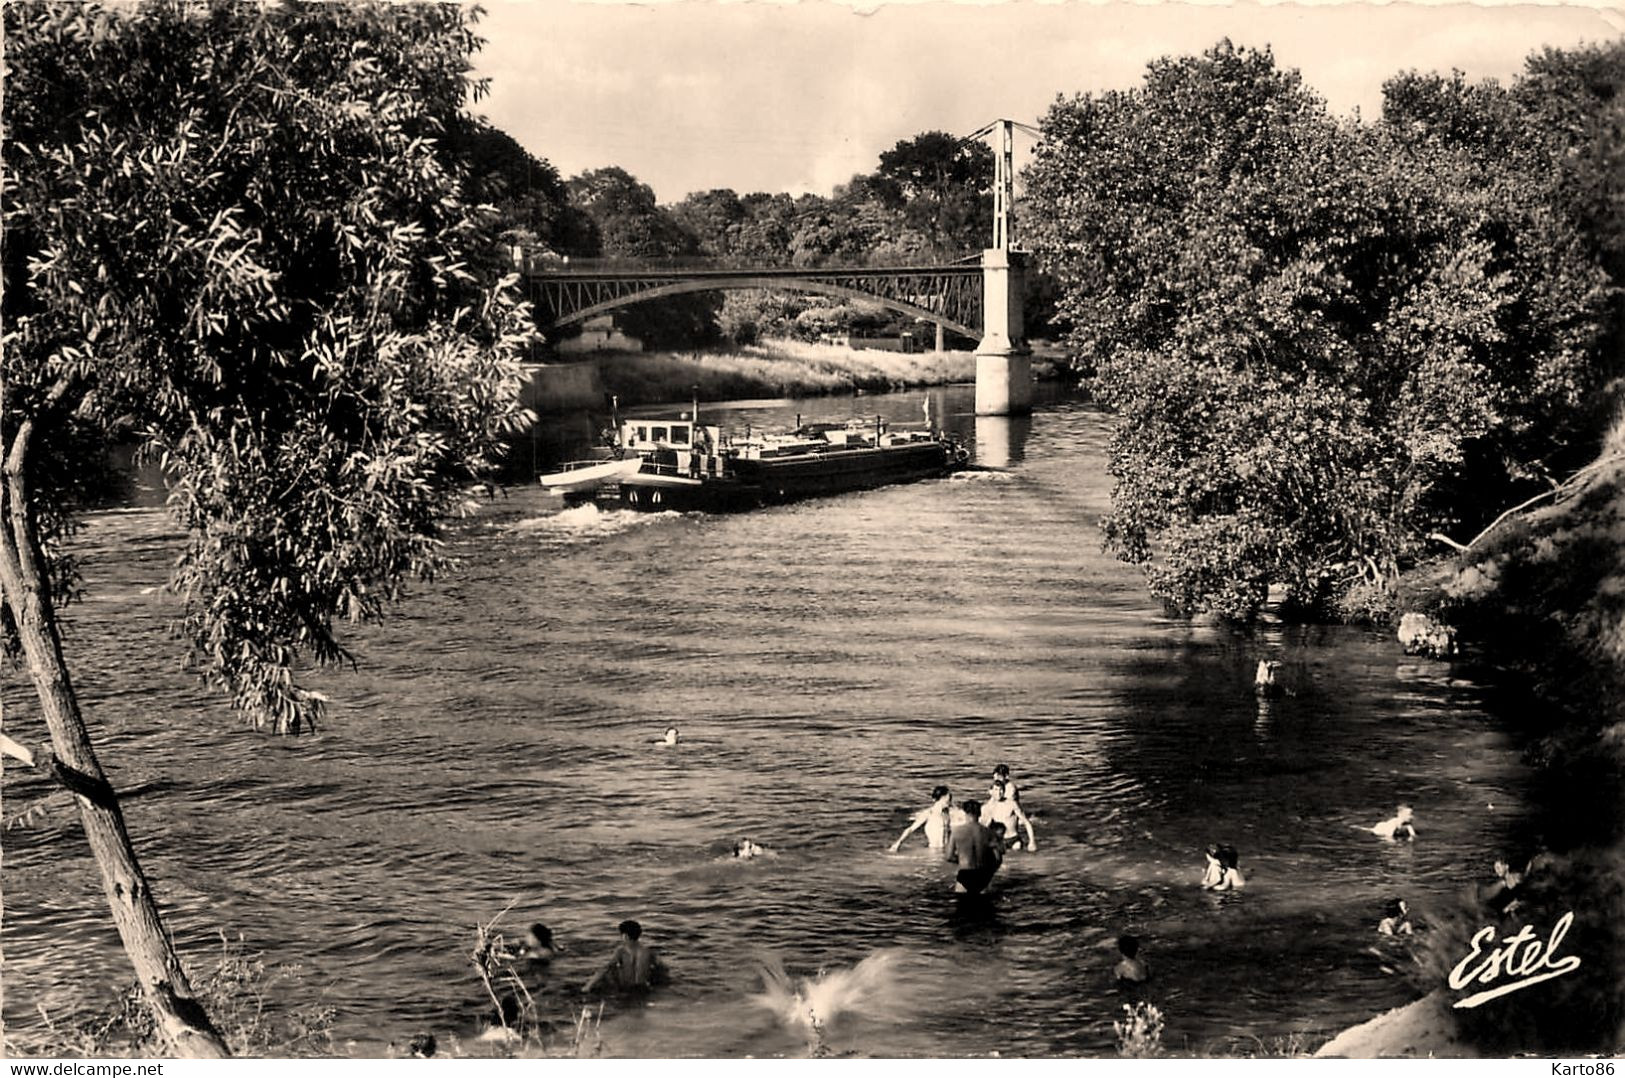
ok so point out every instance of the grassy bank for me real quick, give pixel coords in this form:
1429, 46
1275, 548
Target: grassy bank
1539, 603
781, 368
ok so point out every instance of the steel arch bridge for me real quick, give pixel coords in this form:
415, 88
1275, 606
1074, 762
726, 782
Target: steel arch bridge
950, 296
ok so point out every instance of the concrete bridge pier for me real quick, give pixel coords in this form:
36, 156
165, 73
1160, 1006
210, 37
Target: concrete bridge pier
1004, 376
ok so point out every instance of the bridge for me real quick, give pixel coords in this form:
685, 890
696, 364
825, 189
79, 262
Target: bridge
950, 296
981, 300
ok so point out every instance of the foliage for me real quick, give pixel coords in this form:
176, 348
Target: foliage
1579, 1012
237, 991
1139, 1034
532, 205
515, 1010
235, 233
777, 368
945, 186
629, 223
1325, 341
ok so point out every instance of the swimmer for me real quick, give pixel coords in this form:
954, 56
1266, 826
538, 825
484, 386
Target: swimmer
747, 849
539, 946
997, 830
1001, 774
935, 818
1002, 807
1131, 970
1398, 919
1500, 896
1213, 872
632, 966
1396, 827
670, 738
1229, 874
970, 845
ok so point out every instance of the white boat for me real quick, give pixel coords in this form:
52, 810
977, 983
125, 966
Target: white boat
586, 476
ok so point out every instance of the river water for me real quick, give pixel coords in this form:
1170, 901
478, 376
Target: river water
827, 663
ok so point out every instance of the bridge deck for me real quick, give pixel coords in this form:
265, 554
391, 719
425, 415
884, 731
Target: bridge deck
949, 295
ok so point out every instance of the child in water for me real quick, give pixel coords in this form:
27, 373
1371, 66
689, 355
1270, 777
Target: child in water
1398, 826
1131, 970
1223, 869
1398, 919
670, 738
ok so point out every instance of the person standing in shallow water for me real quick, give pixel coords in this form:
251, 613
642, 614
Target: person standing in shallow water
934, 818
634, 965
1002, 808
971, 847
1131, 970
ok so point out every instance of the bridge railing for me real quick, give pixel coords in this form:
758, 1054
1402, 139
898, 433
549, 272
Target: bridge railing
540, 264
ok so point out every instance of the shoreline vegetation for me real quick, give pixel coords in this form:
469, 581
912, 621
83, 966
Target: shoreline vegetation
777, 368
1539, 602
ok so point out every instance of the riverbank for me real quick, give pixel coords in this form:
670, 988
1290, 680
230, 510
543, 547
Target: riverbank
785, 368
1540, 602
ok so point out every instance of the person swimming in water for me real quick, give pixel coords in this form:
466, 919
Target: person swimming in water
539, 946
935, 818
1223, 870
746, 849
1501, 896
1397, 919
971, 847
633, 966
1398, 826
1132, 969
1212, 871
1002, 808
1001, 774
670, 738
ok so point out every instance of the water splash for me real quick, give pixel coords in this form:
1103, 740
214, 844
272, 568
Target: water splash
875, 988
582, 524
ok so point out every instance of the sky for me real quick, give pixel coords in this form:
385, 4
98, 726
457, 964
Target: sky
764, 95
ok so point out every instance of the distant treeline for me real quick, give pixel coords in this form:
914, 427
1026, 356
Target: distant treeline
928, 200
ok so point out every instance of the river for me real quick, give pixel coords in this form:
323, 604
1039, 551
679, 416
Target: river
827, 663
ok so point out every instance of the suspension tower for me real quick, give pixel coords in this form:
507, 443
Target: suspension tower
1004, 377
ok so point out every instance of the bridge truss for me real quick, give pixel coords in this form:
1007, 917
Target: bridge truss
950, 296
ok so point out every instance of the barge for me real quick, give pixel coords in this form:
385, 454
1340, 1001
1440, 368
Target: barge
688, 465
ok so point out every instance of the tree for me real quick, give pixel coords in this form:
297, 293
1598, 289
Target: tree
630, 224
714, 218
1325, 342
946, 188
530, 199
234, 233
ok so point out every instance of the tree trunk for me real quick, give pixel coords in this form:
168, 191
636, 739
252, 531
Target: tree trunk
180, 1018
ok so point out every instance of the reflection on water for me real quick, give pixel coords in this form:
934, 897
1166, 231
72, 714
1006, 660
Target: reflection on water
828, 662
1001, 440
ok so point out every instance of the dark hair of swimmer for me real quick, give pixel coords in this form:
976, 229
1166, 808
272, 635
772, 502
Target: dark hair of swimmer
997, 828
510, 1009
938, 792
972, 808
1129, 945
630, 929
1228, 857
543, 934
1395, 908
1001, 771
